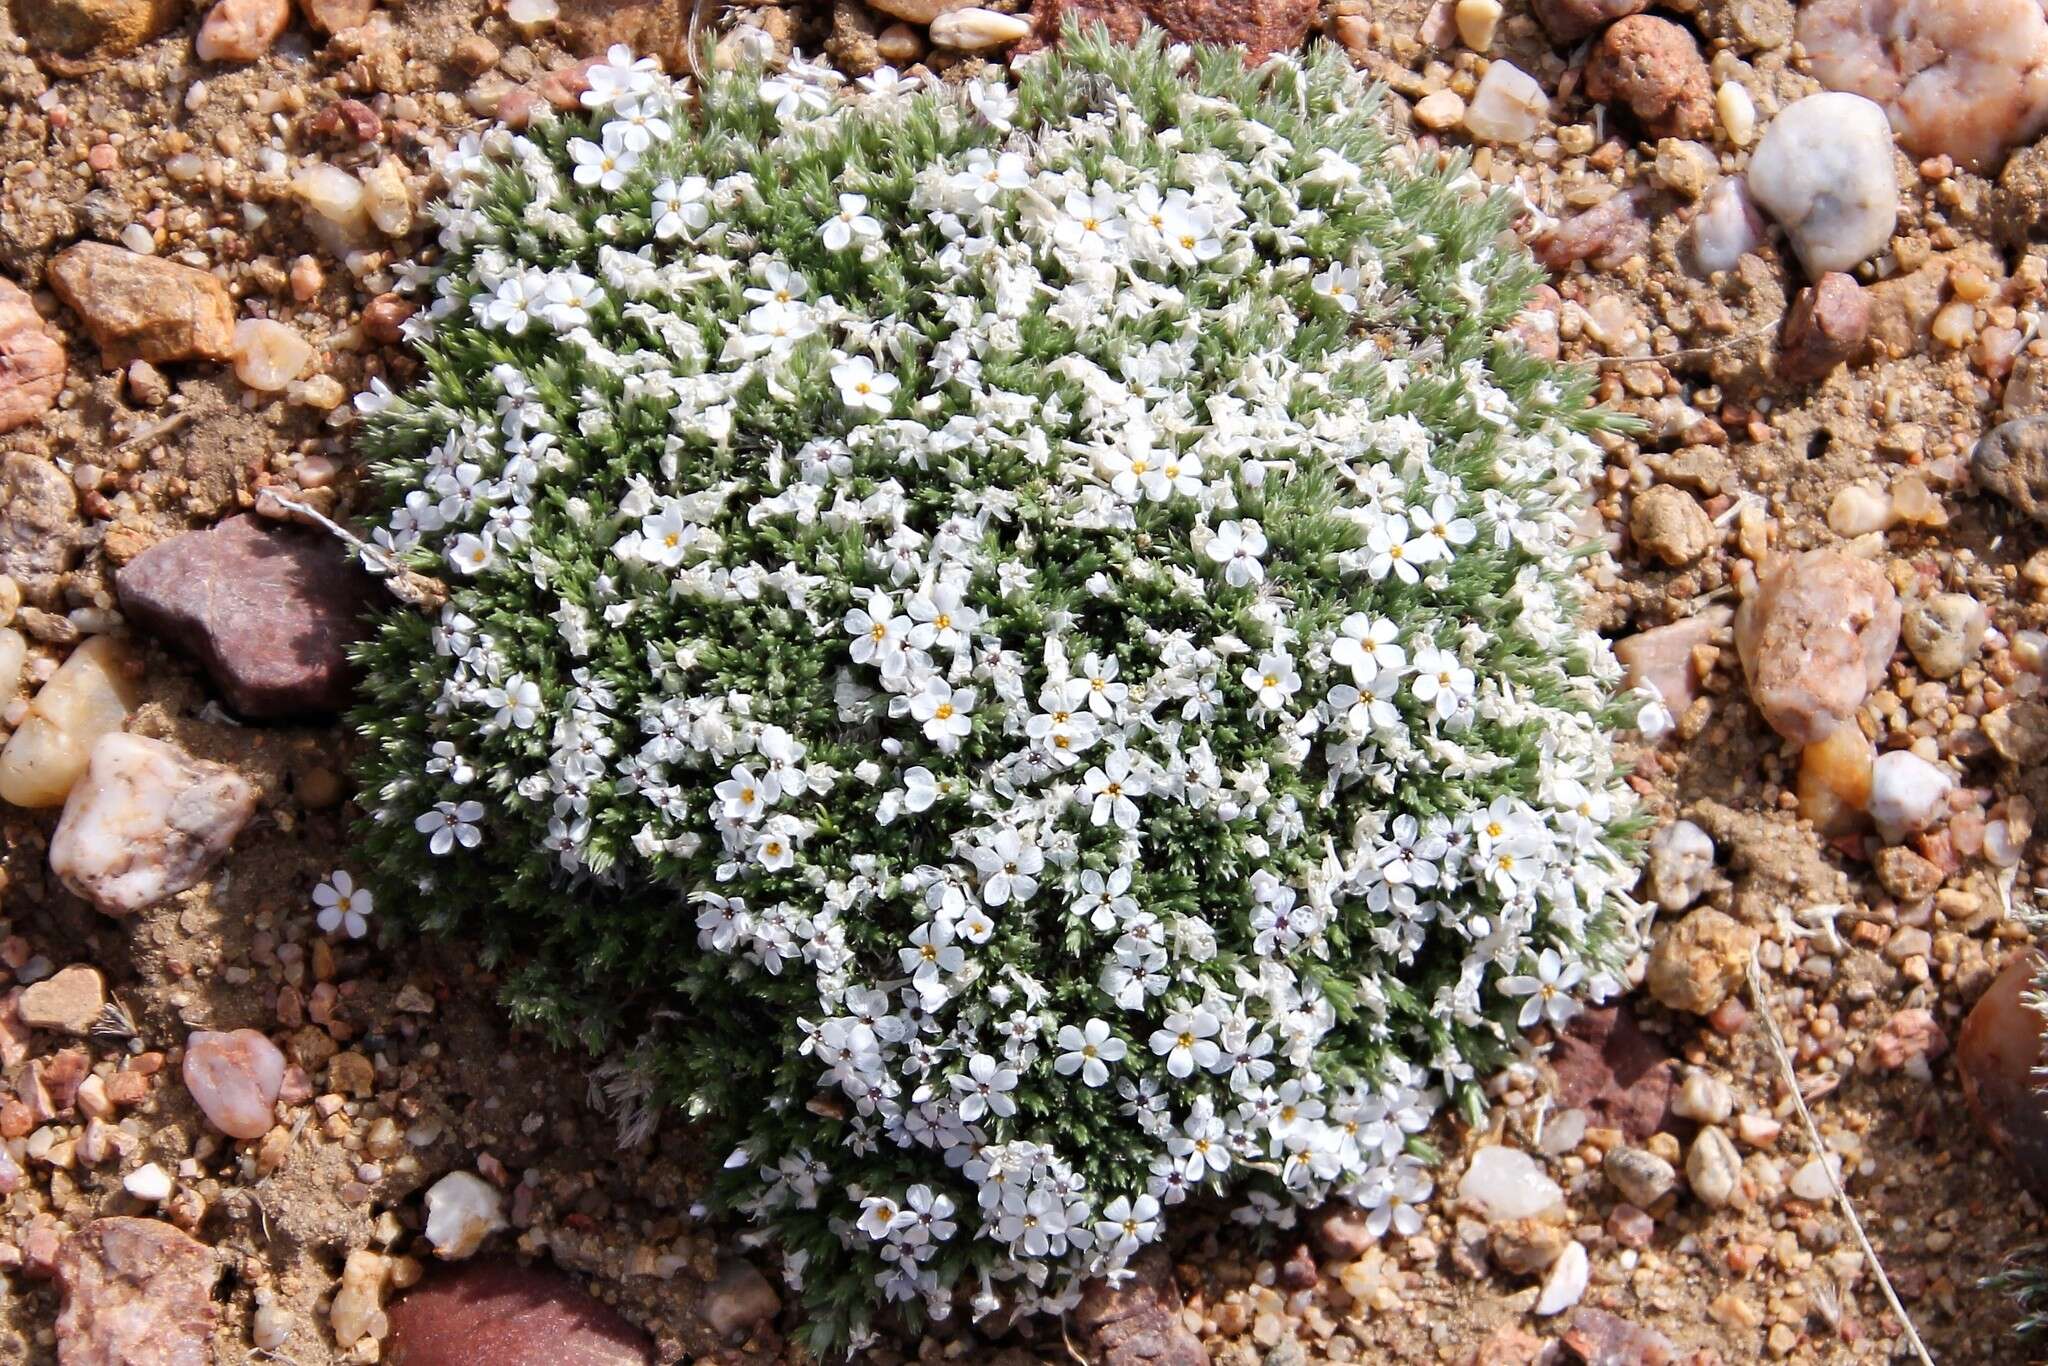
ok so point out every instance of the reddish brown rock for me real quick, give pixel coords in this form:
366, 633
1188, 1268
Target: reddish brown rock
1607, 1066
1137, 1323
347, 121
1261, 27
1826, 326
1599, 1338
31, 360
500, 1312
268, 609
1910, 1038
1662, 657
1607, 234
332, 16
144, 307
137, 1292
1653, 66
1567, 21
1815, 639
1996, 1054
1511, 1345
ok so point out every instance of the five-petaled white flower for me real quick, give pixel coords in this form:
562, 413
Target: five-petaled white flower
1548, 990
343, 905
853, 223
447, 824
863, 388
1237, 546
1088, 1049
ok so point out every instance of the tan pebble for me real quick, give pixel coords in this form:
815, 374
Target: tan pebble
240, 30
1736, 111
1477, 20
1440, 110
269, 355
899, 45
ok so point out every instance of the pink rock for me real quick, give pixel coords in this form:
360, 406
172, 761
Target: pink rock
241, 30
1138, 1323
1653, 66
1962, 78
1610, 1067
1599, 1338
1570, 20
739, 1300
31, 360
146, 822
1996, 1056
1910, 1038
1826, 326
1815, 639
235, 1078
137, 1292
499, 1312
1607, 234
1661, 657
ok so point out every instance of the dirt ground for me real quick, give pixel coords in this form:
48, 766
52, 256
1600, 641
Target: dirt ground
199, 155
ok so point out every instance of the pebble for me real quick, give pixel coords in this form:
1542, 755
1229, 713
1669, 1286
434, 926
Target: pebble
1681, 865
1736, 111
1811, 1182
1611, 1069
1823, 169
68, 1003
977, 30
240, 30
1567, 21
333, 16
463, 1209
495, 1310
1630, 1226
1669, 524
1139, 1322
739, 1300
1440, 109
1653, 66
1858, 510
39, 530
1960, 78
1704, 1098
387, 198
1910, 1040
1815, 639
1825, 327
1834, 781
1641, 1177
1599, 1338
91, 694
144, 307
1944, 632
1997, 1053
917, 11
268, 354
148, 1183
1663, 658
146, 822
2011, 460
135, 1291
1508, 107
31, 360
1477, 20
268, 609
1566, 1283
357, 1310
1713, 1169
235, 1079
13, 654
1504, 1184
1907, 794
1700, 962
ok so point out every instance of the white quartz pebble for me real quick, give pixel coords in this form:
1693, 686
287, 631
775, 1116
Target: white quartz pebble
1823, 169
1508, 106
90, 694
1506, 1183
149, 1182
1566, 1283
1906, 794
269, 355
977, 30
1726, 227
234, 1078
146, 822
462, 1210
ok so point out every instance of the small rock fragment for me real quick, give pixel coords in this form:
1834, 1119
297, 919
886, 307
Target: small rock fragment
1810, 1182
1504, 1184
268, 609
1906, 875
1641, 1177
1736, 112
357, 1311
235, 1078
1663, 659
332, 16
1834, 780
1815, 639
1610, 1068
1606, 235
1823, 169
1858, 510
90, 695
71, 37
2018, 731
917, 11
39, 530
1669, 523
31, 360
1699, 962
739, 1300
1508, 107
1713, 1168
1440, 109
144, 307
1910, 1039
269, 355
149, 1183
2011, 460
1961, 80
68, 1003
1476, 21
1567, 21
1653, 66
1996, 1056
1944, 632
240, 30
1703, 1097
497, 1311
147, 821
1598, 1338
1137, 1323
1825, 327
463, 1209
1566, 1283
1907, 794
977, 30
137, 1292
1681, 866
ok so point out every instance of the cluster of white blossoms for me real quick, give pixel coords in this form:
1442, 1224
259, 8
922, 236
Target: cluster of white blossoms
1012, 645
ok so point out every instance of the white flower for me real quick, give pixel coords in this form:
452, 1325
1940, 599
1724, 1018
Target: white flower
1088, 1049
1009, 866
881, 1217
1111, 789
516, 705
448, 824
1237, 546
343, 905
1367, 647
681, 207
1440, 681
469, 553
853, 223
1187, 1041
1547, 990
1128, 1224
1338, 284
1274, 680
603, 165
984, 1089
946, 713
862, 388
